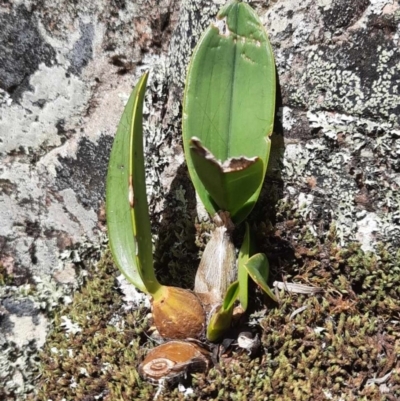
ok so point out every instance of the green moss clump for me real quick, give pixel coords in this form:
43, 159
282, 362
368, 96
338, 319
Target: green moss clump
347, 334
99, 353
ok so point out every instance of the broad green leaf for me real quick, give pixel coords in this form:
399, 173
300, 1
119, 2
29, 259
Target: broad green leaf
257, 267
244, 255
229, 100
126, 203
230, 184
222, 318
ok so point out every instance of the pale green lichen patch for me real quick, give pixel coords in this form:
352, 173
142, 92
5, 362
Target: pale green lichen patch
24, 318
338, 68
349, 160
348, 89
336, 55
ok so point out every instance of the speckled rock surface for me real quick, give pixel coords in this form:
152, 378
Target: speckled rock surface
67, 68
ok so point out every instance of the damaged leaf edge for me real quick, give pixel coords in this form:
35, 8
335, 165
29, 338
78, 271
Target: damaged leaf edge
230, 165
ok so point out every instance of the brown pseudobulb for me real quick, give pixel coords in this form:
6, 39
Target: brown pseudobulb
178, 314
174, 360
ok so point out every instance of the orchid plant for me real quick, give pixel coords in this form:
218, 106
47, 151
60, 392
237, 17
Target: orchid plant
228, 116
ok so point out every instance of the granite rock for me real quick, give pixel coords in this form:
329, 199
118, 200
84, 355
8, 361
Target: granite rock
67, 69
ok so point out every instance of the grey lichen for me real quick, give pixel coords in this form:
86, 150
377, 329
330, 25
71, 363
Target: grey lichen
342, 150
338, 163
26, 312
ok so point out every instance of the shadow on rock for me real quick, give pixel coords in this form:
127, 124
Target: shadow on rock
176, 254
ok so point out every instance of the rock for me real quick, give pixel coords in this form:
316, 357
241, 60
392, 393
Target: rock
67, 69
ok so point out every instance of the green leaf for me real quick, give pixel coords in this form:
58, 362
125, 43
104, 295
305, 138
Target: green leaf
222, 318
229, 101
230, 184
258, 267
126, 203
244, 255
230, 296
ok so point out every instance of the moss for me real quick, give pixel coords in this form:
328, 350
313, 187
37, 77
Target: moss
99, 356
346, 335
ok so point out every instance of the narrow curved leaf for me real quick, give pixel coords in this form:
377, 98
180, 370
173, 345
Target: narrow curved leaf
230, 296
222, 318
258, 267
126, 203
229, 101
244, 255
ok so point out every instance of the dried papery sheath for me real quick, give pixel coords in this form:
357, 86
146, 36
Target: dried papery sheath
297, 311
246, 340
297, 288
173, 361
217, 269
